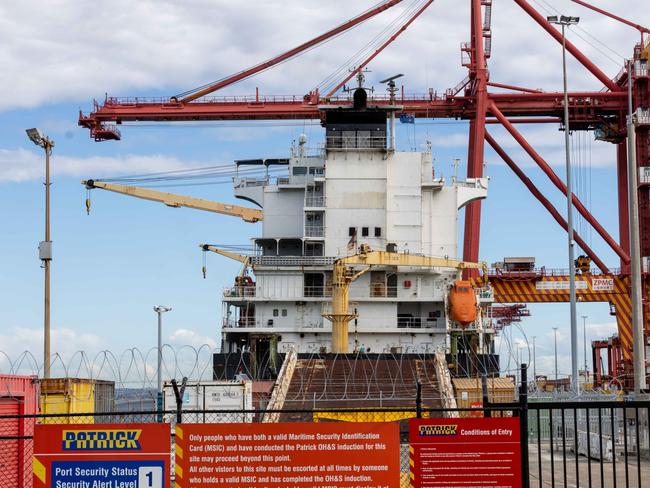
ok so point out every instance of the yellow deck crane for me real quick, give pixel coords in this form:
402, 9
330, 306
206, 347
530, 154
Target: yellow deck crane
345, 274
245, 260
247, 214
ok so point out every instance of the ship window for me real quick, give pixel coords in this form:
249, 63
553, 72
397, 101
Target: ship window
377, 231
352, 231
276, 312
284, 312
299, 170
364, 231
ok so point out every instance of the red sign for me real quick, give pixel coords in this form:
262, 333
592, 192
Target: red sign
102, 456
314, 455
465, 452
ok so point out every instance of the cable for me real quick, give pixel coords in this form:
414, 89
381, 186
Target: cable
333, 76
332, 80
207, 85
553, 10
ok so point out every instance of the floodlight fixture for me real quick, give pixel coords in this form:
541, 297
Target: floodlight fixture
563, 20
161, 309
35, 136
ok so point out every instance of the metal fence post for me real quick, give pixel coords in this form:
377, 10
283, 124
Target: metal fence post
418, 399
486, 399
523, 425
179, 398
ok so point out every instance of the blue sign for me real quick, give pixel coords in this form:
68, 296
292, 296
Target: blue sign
407, 118
108, 474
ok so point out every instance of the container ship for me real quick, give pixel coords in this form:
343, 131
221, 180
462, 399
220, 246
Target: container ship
358, 200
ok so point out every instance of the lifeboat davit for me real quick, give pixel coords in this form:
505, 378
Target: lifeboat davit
462, 303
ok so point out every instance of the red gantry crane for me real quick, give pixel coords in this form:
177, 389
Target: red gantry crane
603, 110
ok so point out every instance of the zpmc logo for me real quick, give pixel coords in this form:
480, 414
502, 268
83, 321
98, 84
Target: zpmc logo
437, 430
101, 440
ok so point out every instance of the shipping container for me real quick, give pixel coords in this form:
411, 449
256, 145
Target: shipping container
18, 396
75, 395
212, 396
469, 393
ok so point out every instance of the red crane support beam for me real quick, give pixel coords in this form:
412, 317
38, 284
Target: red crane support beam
476, 147
514, 88
584, 60
585, 105
379, 49
640, 28
289, 54
559, 183
544, 201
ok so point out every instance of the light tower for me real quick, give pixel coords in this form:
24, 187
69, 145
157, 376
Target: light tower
45, 247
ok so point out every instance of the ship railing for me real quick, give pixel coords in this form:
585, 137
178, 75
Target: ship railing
315, 201
398, 322
292, 261
264, 99
424, 322
250, 182
249, 322
382, 291
240, 291
485, 292
356, 142
543, 272
317, 291
314, 231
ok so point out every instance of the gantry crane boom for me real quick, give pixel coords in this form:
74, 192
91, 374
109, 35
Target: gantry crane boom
251, 215
344, 275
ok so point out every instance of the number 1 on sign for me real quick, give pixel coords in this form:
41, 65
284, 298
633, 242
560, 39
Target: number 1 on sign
150, 477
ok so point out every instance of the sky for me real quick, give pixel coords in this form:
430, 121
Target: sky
112, 266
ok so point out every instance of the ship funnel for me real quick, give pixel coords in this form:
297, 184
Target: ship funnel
360, 98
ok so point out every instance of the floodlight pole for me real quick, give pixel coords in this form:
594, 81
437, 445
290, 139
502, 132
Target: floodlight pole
160, 309
584, 340
47, 261
638, 340
555, 351
534, 363
563, 22
45, 247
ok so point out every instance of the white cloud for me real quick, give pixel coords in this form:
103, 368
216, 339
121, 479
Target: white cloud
18, 165
84, 355
66, 344
72, 50
602, 330
187, 337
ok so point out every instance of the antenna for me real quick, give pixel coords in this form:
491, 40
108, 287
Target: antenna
392, 90
391, 79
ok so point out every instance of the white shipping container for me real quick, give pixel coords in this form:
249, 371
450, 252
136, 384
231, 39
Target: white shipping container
207, 399
644, 174
645, 264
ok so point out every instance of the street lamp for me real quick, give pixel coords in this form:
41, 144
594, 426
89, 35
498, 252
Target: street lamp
565, 21
160, 309
534, 362
555, 340
45, 247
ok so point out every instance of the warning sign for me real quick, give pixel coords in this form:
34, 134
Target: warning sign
102, 456
322, 455
465, 452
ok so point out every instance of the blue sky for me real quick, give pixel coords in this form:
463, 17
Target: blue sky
111, 267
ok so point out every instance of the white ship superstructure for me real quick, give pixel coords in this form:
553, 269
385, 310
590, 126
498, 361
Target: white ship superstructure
356, 191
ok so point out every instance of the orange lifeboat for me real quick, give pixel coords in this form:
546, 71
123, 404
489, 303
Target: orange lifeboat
462, 303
